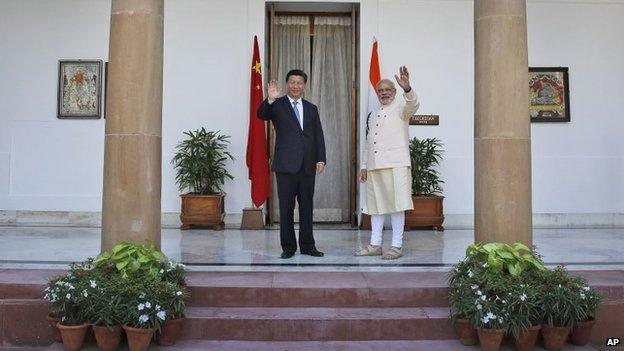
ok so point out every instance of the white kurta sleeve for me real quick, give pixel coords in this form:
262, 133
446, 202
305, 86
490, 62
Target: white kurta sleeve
411, 105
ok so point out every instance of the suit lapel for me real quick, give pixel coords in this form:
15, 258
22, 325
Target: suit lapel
306, 113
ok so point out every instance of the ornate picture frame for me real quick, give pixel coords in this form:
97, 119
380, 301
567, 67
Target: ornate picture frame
80, 89
549, 94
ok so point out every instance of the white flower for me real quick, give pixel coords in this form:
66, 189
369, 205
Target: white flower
474, 287
586, 288
92, 283
503, 301
161, 271
142, 296
479, 292
71, 287
141, 306
523, 297
68, 296
143, 318
157, 307
179, 293
490, 315
470, 274
483, 297
485, 319
560, 285
148, 305
161, 315
84, 293
485, 265
582, 296
479, 306
46, 289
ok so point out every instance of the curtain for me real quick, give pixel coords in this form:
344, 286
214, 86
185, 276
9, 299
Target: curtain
330, 89
292, 47
292, 50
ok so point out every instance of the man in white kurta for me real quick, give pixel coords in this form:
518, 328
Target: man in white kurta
386, 166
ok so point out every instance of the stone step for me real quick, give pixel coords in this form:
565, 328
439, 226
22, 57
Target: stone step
375, 345
318, 289
317, 323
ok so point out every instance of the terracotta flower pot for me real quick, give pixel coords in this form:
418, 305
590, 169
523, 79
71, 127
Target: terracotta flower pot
466, 332
490, 339
56, 334
107, 339
554, 337
525, 341
581, 331
138, 338
170, 331
73, 336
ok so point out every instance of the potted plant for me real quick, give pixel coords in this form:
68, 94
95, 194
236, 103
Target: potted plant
425, 155
588, 301
559, 307
174, 303
461, 279
68, 295
482, 288
143, 309
524, 312
127, 259
105, 309
200, 163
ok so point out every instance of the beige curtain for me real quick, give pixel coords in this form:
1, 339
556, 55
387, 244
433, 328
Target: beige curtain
330, 89
292, 50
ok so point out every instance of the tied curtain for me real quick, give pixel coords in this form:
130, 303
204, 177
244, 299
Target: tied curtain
326, 58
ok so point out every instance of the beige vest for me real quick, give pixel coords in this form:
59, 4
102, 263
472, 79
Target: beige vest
387, 144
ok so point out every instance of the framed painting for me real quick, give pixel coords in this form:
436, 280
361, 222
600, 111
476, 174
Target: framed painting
79, 89
549, 94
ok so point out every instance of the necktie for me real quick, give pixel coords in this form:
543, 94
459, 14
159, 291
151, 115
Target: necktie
297, 111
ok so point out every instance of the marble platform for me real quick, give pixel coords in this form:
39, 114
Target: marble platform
236, 250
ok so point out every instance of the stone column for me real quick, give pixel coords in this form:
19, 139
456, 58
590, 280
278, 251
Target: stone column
502, 144
133, 137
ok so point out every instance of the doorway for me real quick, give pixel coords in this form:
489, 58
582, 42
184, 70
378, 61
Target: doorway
323, 43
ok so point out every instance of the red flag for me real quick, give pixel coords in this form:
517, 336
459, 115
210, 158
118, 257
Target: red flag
257, 160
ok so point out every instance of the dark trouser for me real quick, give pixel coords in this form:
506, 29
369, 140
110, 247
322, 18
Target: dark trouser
301, 186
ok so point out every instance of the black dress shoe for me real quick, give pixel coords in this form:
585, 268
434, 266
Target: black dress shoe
313, 252
287, 254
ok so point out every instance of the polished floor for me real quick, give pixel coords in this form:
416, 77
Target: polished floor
232, 249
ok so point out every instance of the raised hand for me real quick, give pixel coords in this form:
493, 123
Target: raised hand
403, 79
273, 90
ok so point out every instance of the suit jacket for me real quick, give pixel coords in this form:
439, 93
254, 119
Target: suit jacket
294, 147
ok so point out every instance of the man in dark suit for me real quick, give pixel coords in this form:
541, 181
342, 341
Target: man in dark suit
299, 155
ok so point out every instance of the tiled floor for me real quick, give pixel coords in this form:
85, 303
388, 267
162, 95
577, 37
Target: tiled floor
231, 249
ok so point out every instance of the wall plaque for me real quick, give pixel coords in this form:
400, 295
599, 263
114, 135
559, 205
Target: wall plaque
424, 120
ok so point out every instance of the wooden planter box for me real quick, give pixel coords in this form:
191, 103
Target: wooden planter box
203, 210
428, 212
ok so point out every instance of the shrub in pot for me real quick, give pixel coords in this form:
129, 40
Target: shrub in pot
173, 299
524, 311
200, 164
460, 279
425, 157
105, 309
559, 297
68, 295
588, 300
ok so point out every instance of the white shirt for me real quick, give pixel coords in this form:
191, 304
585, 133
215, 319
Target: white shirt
299, 107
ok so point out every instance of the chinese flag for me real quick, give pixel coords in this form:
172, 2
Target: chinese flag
257, 160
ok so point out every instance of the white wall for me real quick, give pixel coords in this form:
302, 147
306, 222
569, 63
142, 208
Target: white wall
48, 164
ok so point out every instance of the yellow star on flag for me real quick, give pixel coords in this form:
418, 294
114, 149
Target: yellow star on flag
256, 67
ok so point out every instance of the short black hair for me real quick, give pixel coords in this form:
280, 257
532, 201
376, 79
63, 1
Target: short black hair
297, 72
